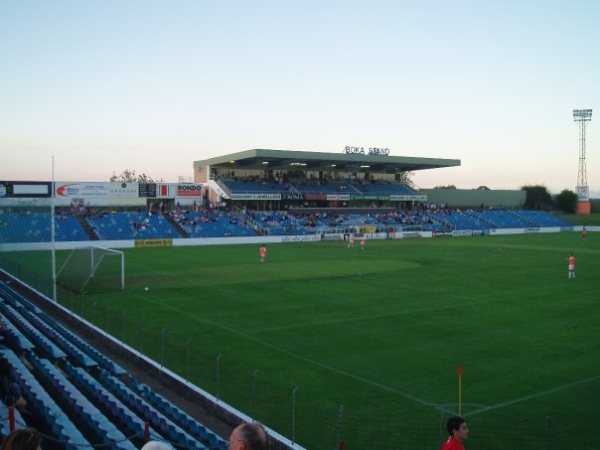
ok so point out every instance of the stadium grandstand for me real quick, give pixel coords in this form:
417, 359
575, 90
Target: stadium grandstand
82, 394
258, 193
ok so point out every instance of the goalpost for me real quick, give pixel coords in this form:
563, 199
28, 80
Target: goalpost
103, 266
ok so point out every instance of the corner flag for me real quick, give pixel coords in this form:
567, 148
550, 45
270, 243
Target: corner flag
460, 373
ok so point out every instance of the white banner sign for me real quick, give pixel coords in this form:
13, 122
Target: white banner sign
256, 196
86, 190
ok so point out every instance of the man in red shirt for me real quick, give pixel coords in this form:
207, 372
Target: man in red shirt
458, 431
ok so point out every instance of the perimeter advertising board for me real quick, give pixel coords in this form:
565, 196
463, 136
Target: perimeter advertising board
25, 189
96, 190
127, 190
256, 196
179, 190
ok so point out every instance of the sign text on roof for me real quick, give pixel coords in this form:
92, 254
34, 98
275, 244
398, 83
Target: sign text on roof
374, 151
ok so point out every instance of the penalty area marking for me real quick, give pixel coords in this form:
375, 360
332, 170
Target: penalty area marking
448, 406
375, 316
532, 396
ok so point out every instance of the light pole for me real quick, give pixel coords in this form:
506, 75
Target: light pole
581, 116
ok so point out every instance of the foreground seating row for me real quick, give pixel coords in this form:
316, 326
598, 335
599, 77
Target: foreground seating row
79, 396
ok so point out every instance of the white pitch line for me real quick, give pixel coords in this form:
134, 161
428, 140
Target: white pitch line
455, 405
374, 316
532, 396
345, 373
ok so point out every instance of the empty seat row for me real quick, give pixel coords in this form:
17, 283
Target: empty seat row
16, 300
121, 412
541, 218
97, 356
104, 430
71, 350
142, 408
73, 344
180, 417
14, 335
41, 341
36, 227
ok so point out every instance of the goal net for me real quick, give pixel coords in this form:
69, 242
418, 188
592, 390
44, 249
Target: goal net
93, 268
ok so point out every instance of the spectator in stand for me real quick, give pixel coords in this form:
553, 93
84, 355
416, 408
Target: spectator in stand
22, 439
10, 391
248, 436
458, 431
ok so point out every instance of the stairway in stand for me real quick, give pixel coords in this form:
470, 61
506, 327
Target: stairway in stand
178, 227
91, 233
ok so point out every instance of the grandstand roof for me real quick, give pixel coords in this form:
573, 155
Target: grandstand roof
288, 159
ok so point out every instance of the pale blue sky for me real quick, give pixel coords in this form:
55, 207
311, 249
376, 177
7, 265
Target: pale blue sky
155, 85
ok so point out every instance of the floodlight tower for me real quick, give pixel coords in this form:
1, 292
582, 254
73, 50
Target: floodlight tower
581, 116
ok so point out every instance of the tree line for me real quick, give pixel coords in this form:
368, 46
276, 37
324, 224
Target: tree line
538, 197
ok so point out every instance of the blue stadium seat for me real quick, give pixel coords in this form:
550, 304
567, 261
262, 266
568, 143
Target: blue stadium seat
41, 402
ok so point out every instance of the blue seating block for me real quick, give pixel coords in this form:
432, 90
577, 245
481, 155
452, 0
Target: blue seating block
181, 418
157, 420
104, 429
62, 428
51, 349
15, 336
101, 359
72, 351
90, 386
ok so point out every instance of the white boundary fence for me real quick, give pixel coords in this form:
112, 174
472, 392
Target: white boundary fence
184, 242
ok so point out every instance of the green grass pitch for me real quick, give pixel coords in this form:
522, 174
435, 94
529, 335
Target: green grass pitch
323, 343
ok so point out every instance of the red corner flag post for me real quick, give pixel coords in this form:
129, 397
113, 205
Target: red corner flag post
460, 372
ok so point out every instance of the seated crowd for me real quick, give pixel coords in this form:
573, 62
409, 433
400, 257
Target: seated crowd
182, 221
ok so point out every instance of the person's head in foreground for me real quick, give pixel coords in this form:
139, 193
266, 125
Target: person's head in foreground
248, 436
457, 428
157, 445
22, 439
